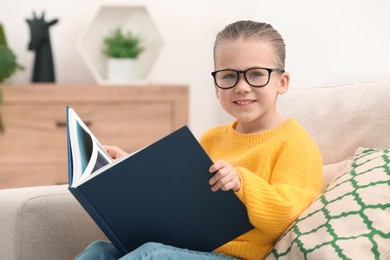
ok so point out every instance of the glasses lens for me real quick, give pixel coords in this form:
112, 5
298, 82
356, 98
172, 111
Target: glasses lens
257, 77
226, 78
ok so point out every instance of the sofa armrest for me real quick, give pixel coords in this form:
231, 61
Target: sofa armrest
43, 223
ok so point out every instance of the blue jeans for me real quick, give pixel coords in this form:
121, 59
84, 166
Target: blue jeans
104, 250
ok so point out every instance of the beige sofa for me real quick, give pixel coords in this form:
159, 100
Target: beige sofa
48, 223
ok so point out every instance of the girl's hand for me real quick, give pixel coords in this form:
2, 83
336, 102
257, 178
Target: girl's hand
114, 151
225, 177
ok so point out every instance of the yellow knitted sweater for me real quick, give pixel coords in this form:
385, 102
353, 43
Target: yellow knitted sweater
280, 172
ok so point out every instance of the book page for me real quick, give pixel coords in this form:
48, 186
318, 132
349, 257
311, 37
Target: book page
88, 154
107, 166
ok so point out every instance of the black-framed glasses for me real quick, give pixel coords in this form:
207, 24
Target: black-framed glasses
256, 77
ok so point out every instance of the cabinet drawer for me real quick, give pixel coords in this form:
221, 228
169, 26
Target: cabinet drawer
38, 133
31, 134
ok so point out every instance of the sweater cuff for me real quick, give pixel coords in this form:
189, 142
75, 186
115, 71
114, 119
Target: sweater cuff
240, 192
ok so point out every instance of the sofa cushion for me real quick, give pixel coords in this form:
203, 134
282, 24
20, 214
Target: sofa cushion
350, 220
43, 223
329, 171
341, 118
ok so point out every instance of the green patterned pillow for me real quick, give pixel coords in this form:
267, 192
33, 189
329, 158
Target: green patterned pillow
349, 220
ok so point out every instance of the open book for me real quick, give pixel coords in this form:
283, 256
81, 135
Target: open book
158, 194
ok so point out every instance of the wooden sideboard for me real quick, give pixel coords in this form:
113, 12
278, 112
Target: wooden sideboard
33, 147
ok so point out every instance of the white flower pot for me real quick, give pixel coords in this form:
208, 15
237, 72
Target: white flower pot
121, 70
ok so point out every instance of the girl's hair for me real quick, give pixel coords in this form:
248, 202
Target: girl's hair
255, 31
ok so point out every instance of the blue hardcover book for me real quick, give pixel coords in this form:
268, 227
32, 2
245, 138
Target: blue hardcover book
158, 194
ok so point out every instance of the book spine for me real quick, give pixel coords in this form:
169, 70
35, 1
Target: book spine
99, 220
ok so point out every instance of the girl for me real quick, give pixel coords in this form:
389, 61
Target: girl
270, 162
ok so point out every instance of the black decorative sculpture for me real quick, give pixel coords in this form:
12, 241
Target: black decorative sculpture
40, 43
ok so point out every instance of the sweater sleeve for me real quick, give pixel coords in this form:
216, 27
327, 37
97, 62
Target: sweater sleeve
294, 181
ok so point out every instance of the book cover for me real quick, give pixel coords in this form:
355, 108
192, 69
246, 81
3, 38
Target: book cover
161, 194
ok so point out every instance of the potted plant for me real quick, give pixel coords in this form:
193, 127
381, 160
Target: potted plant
8, 65
122, 51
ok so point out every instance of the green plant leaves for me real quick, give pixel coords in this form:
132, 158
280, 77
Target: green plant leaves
1, 120
119, 45
8, 63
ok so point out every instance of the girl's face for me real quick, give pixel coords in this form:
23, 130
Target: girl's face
253, 108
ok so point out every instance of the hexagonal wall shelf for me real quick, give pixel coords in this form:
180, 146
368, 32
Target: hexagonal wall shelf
130, 18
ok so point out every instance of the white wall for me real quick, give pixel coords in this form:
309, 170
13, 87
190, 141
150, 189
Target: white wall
327, 41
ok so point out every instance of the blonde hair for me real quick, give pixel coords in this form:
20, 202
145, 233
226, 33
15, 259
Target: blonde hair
254, 31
